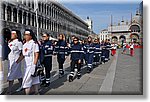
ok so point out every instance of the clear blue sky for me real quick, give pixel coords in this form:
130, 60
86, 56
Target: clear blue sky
100, 12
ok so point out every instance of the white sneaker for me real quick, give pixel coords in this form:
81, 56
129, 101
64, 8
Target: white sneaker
19, 89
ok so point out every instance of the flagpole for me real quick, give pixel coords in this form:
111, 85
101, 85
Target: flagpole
36, 11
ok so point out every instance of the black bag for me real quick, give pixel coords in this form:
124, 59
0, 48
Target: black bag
38, 69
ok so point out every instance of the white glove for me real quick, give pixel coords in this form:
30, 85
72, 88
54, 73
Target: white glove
32, 70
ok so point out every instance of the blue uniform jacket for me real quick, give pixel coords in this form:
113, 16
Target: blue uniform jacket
97, 48
107, 46
61, 48
89, 48
47, 48
76, 52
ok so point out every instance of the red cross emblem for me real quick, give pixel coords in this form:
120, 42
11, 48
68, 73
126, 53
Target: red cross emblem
10, 45
25, 49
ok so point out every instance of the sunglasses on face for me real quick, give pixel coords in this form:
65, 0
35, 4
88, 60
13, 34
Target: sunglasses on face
44, 36
75, 40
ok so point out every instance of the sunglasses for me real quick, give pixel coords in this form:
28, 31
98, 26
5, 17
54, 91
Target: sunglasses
44, 36
75, 40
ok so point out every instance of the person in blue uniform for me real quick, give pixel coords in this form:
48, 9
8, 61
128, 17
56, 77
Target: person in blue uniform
108, 46
61, 50
82, 60
103, 54
47, 50
76, 51
97, 52
89, 52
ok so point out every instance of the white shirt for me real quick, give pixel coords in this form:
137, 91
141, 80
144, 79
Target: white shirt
132, 46
16, 47
29, 48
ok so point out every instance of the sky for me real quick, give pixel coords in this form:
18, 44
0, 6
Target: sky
100, 12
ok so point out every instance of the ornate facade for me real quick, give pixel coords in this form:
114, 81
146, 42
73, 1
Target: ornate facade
129, 31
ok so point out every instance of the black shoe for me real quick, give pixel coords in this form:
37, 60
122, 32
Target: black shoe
46, 84
78, 76
70, 78
43, 82
61, 74
89, 70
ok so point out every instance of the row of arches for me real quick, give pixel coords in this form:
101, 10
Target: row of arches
13, 14
133, 37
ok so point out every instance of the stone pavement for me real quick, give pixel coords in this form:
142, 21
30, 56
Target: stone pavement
129, 74
121, 75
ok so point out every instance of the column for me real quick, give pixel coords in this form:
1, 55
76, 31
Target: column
5, 13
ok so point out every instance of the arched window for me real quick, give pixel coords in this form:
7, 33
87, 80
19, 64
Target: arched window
24, 18
45, 7
29, 4
42, 22
33, 19
29, 18
9, 13
47, 10
47, 24
42, 7
3, 12
39, 6
14, 15
20, 16
32, 4
39, 21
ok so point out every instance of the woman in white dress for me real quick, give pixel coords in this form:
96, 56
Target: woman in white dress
14, 69
30, 54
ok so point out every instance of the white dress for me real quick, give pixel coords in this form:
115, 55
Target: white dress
28, 52
14, 69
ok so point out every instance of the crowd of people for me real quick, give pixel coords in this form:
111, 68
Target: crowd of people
38, 57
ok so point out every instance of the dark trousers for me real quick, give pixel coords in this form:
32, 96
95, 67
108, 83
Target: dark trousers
48, 66
96, 57
73, 64
103, 55
89, 58
107, 54
61, 60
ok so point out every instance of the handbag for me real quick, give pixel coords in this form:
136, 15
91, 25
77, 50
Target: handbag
38, 69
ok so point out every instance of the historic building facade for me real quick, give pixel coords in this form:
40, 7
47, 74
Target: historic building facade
129, 31
52, 18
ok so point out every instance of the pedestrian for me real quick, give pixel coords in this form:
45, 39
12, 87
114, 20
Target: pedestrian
83, 55
89, 53
14, 69
113, 49
131, 49
47, 50
76, 51
97, 52
30, 55
124, 47
103, 54
108, 47
62, 51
